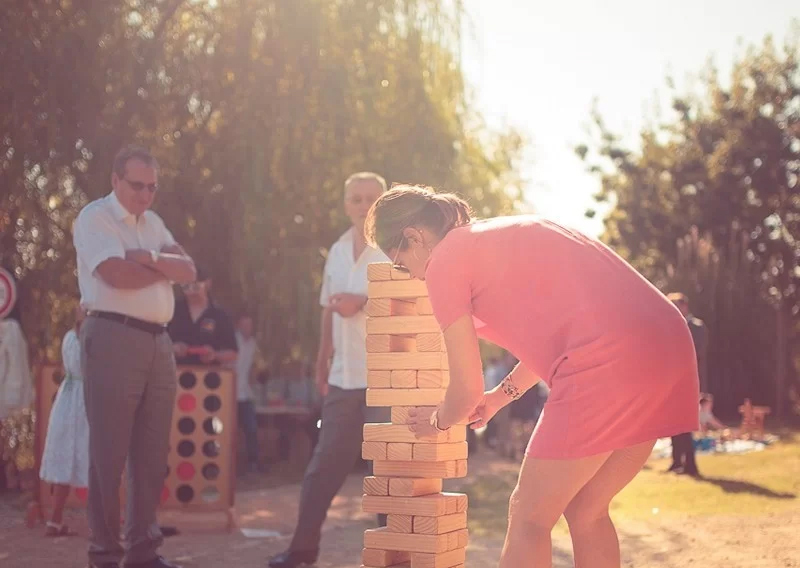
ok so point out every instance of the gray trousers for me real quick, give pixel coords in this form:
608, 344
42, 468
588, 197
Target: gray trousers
344, 413
130, 395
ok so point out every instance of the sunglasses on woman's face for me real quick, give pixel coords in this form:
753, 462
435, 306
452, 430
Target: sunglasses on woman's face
399, 267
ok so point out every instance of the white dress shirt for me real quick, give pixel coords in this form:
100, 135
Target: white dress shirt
244, 365
344, 274
105, 229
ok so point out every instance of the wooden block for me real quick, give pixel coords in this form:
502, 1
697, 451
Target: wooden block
397, 289
449, 559
400, 487
379, 271
376, 485
383, 307
383, 538
374, 450
403, 325
404, 397
424, 306
401, 451
379, 379
403, 379
403, 565
439, 525
416, 361
434, 505
383, 343
439, 452
430, 342
432, 379
385, 432
444, 470
383, 558
402, 523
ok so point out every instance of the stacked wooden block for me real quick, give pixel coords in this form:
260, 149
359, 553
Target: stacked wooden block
407, 368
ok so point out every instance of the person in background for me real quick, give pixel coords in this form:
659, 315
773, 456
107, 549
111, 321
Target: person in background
683, 450
201, 332
127, 262
707, 419
248, 363
65, 459
341, 372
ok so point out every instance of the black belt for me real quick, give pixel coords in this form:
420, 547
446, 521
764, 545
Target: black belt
149, 327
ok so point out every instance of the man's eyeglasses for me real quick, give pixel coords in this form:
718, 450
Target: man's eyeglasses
399, 267
139, 186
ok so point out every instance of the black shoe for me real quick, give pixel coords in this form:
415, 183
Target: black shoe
294, 559
157, 562
167, 532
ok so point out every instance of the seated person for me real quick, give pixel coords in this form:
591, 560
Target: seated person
201, 332
707, 419
298, 390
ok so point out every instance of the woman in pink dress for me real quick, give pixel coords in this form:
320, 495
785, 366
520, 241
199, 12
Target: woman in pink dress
617, 355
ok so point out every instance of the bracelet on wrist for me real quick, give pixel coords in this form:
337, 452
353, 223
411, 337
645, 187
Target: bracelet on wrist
510, 389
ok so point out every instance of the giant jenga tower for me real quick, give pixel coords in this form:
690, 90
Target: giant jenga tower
407, 368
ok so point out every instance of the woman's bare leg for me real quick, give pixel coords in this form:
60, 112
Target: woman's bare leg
594, 538
60, 494
544, 490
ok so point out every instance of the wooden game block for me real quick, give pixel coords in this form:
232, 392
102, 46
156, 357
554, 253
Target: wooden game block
416, 361
374, 450
401, 565
439, 525
400, 451
397, 289
434, 505
379, 271
450, 559
443, 470
427, 342
384, 307
402, 325
432, 379
439, 452
405, 397
383, 343
376, 485
383, 558
400, 487
379, 379
385, 432
383, 538
403, 379
401, 523
423, 306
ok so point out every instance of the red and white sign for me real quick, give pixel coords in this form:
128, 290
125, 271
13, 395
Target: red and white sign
8, 293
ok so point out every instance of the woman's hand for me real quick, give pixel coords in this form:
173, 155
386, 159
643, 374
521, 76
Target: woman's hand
419, 422
492, 402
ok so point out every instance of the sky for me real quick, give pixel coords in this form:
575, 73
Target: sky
539, 66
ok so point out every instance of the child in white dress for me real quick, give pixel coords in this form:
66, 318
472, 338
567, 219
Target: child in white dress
65, 460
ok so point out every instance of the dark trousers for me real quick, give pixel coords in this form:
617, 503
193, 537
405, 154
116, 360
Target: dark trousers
249, 425
129, 388
344, 413
683, 453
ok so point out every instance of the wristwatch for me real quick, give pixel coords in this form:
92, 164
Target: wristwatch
434, 421
154, 256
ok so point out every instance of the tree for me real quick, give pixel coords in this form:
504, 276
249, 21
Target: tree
726, 165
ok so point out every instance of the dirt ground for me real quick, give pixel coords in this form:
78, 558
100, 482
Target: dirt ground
768, 541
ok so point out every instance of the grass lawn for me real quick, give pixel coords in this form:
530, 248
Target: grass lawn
750, 484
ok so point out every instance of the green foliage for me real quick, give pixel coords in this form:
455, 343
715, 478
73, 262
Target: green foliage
725, 165
257, 111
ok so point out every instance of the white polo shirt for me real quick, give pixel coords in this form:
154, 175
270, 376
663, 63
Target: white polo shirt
344, 274
105, 229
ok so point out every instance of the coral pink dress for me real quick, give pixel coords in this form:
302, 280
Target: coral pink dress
616, 354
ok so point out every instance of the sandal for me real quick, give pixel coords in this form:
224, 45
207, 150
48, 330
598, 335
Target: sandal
55, 529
